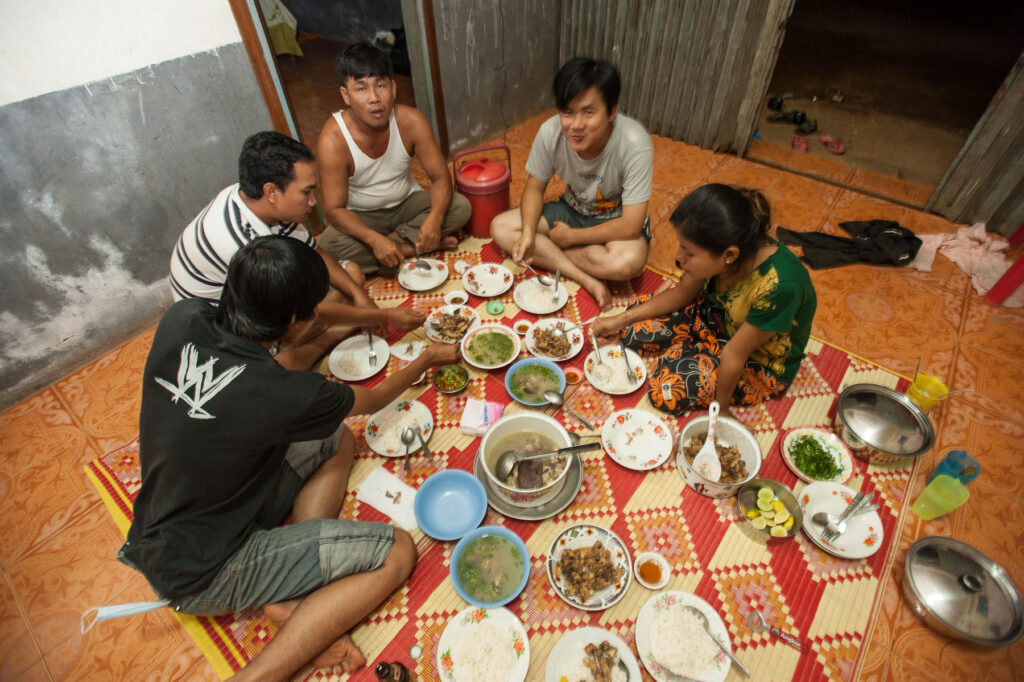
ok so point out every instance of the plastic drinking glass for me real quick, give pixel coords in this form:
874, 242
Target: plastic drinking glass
940, 497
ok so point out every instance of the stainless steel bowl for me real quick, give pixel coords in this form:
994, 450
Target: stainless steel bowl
746, 500
882, 426
960, 592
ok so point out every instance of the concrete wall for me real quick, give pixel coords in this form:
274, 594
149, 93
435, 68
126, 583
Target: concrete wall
119, 120
497, 62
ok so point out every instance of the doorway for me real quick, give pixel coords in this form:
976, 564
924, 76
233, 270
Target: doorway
900, 84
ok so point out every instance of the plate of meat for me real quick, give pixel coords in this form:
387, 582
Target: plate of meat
548, 339
449, 323
589, 567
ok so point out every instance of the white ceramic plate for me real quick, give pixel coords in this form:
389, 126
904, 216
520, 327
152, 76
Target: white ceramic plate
636, 439
485, 329
585, 535
614, 380
487, 279
417, 279
450, 309
575, 337
467, 623
863, 536
831, 444
560, 659
350, 361
384, 429
533, 297
674, 599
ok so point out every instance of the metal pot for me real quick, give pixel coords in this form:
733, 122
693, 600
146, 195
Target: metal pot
490, 450
882, 426
961, 593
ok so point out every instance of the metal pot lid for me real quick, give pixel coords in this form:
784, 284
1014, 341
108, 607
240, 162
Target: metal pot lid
966, 590
885, 419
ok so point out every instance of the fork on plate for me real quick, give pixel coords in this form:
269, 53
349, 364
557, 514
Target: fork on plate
372, 354
629, 370
832, 531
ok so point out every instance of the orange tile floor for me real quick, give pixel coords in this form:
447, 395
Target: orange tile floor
57, 542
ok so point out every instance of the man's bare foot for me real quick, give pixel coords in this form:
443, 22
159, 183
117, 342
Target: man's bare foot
599, 291
343, 653
449, 243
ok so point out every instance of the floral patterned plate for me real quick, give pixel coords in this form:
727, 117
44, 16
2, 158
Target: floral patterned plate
830, 443
609, 375
585, 535
673, 599
467, 623
384, 429
575, 337
636, 439
487, 279
571, 644
863, 536
417, 279
434, 334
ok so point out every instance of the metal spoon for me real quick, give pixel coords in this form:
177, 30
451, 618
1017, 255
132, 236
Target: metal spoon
408, 436
699, 615
421, 264
554, 286
543, 279
823, 518
509, 458
556, 398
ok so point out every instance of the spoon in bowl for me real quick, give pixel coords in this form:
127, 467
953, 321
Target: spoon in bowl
408, 437
706, 462
555, 398
508, 459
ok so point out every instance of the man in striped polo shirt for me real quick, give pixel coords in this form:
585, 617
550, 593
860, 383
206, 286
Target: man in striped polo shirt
275, 193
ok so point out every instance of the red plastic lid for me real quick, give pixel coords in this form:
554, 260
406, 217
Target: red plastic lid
482, 175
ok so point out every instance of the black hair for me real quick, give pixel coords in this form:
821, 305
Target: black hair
361, 60
271, 281
580, 73
266, 157
716, 216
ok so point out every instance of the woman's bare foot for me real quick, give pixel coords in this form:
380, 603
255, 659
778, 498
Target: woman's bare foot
343, 653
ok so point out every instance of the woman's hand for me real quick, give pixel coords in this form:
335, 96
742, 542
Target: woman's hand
609, 327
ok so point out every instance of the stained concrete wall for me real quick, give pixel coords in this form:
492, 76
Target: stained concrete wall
99, 179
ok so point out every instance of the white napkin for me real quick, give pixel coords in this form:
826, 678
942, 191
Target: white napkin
384, 492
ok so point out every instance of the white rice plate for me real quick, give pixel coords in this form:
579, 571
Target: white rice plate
481, 652
534, 296
611, 377
352, 363
391, 431
576, 670
680, 643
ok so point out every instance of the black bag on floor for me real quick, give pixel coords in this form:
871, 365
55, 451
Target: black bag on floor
876, 242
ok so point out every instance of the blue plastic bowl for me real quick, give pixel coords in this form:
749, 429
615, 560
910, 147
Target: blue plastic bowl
449, 504
526, 362
453, 569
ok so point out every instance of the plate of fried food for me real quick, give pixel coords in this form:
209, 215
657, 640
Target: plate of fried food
591, 653
449, 323
589, 567
549, 339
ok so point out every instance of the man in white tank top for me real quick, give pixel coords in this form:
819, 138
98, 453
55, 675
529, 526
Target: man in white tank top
378, 214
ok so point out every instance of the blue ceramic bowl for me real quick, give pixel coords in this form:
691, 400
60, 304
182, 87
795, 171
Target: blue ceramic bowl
449, 504
453, 569
526, 362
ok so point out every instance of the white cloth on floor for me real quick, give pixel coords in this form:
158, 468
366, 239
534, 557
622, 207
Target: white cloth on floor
383, 491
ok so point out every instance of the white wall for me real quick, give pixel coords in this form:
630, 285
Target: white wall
51, 45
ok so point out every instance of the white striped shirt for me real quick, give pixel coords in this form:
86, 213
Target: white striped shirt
199, 263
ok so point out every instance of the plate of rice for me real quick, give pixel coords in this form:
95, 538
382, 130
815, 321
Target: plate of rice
609, 376
544, 340
589, 567
483, 644
569, 659
383, 430
487, 279
350, 360
636, 439
669, 636
539, 299
420, 279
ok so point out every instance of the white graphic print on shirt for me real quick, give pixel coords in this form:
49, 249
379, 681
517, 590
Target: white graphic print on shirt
200, 379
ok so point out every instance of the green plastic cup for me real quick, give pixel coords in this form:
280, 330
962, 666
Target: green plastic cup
941, 496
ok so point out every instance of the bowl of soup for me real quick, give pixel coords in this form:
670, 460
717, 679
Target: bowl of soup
528, 378
490, 566
490, 346
532, 483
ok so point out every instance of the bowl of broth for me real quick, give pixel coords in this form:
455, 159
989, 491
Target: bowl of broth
490, 566
535, 482
528, 378
490, 346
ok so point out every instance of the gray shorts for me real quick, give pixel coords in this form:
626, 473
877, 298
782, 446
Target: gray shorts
275, 564
561, 211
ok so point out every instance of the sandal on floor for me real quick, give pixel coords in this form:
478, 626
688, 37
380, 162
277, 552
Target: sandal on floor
807, 127
799, 144
833, 144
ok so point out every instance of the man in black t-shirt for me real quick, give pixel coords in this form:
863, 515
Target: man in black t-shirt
231, 442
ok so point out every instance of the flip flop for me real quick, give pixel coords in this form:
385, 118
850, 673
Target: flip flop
833, 144
799, 144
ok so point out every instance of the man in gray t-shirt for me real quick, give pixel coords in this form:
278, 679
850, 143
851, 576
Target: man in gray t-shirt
598, 230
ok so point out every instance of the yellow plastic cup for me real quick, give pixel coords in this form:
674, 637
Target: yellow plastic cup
926, 391
941, 496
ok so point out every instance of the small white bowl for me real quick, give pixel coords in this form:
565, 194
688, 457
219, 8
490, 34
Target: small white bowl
457, 297
522, 326
662, 563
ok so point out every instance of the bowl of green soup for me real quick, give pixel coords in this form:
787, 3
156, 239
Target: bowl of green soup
528, 378
490, 566
490, 346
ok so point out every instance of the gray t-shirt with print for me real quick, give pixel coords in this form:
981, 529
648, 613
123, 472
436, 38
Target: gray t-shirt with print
599, 187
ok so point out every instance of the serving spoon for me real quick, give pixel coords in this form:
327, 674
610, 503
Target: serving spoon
556, 399
706, 461
508, 459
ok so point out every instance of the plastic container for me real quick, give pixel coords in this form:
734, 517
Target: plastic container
484, 182
926, 391
957, 464
940, 497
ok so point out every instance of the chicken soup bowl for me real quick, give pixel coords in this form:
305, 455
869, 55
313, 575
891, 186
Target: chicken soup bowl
522, 432
728, 433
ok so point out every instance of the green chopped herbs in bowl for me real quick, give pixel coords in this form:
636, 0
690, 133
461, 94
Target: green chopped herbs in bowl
817, 455
812, 458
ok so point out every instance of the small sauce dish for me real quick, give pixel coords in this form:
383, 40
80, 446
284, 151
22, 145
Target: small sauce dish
457, 297
573, 376
651, 570
521, 327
